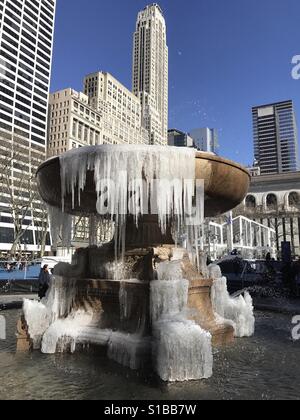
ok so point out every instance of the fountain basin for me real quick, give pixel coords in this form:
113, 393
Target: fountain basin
226, 185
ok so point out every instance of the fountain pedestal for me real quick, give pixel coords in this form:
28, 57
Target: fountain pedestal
98, 289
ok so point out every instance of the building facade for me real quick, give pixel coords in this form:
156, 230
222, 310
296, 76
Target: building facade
276, 138
205, 139
150, 72
26, 37
72, 122
179, 139
120, 109
274, 201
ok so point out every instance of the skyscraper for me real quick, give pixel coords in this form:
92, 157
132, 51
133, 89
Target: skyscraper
205, 139
26, 40
150, 72
275, 138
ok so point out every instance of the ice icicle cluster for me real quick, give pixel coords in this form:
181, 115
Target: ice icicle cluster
159, 175
61, 227
182, 350
239, 311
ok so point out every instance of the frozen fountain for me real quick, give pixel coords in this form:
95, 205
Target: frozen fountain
140, 295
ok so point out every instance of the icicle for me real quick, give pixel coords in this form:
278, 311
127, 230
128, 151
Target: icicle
163, 176
61, 227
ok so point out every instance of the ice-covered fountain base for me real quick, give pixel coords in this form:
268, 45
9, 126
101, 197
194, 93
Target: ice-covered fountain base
151, 307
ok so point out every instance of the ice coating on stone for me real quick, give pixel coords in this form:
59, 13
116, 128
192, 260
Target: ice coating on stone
182, 350
215, 272
169, 270
38, 320
65, 332
168, 298
133, 169
80, 327
238, 310
54, 326
129, 350
57, 304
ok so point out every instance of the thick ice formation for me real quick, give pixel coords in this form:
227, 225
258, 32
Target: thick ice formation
182, 350
38, 320
237, 310
144, 170
55, 325
65, 332
129, 350
57, 304
80, 327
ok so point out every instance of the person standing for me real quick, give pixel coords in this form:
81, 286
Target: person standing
44, 281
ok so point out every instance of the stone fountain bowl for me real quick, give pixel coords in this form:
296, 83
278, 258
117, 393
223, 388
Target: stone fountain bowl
226, 185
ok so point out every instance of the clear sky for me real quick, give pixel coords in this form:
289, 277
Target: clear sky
225, 56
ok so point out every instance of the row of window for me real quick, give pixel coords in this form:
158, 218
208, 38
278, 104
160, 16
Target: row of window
27, 32
29, 54
36, 135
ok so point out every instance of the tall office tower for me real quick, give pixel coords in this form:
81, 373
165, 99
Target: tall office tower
205, 139
150, 72
275, 138
26, 41
120, 109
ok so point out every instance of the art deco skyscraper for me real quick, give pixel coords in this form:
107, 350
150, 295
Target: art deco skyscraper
26, 40
150, 72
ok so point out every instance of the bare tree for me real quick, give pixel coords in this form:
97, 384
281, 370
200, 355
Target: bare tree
18, 189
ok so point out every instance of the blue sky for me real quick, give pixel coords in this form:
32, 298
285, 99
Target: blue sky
225, 56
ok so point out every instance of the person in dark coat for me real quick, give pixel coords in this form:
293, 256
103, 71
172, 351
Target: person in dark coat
44, 281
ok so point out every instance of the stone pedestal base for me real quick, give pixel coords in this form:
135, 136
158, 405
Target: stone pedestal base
124, 305
24, 343
104, 294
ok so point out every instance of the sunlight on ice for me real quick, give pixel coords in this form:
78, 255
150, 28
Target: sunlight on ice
182, 349
238, 310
